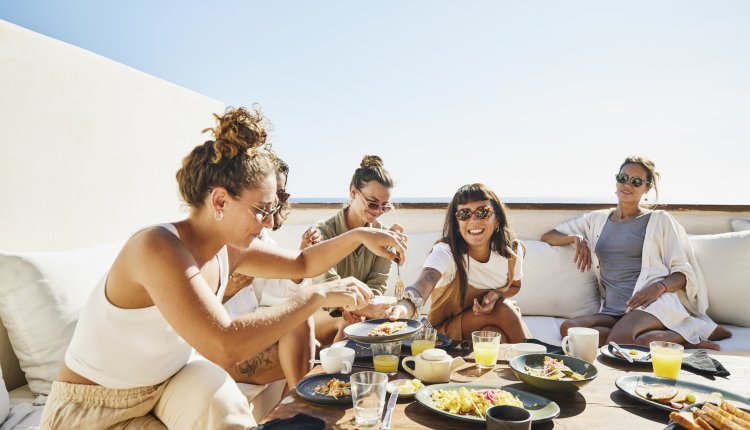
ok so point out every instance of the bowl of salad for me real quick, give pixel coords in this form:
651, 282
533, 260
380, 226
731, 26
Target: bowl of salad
553, 373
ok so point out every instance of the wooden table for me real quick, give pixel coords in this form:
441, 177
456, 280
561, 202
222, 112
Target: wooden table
598, 405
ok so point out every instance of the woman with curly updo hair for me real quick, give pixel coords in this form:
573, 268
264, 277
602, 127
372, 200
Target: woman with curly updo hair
131, 361
370, 193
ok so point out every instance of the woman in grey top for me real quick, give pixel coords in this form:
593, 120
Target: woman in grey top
652, 286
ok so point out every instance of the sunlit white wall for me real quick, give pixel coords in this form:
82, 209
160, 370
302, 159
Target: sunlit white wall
88, 147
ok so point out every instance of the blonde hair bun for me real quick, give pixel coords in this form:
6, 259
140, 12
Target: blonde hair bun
371, 161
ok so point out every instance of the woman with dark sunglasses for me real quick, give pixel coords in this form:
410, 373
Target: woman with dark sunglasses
132, 362
652, 286
471, 272
370, 193
245, 294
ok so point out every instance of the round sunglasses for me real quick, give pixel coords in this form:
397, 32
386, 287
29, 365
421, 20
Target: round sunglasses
623, 178
482, 212
385, 207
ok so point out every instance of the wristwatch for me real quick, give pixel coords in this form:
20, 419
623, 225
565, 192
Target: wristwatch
413, 296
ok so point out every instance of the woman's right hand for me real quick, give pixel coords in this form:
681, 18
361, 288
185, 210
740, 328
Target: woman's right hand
582, 258
349, 293
384, 243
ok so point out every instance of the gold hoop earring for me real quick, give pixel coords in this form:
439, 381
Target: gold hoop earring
218, 216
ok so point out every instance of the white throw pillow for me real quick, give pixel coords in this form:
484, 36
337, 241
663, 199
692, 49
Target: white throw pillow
41, 296
740, 224
4, 400
725, 261
552, 286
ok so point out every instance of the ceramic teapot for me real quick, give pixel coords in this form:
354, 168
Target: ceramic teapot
432, 365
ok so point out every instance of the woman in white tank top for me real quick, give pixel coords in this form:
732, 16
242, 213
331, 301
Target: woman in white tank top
128, 362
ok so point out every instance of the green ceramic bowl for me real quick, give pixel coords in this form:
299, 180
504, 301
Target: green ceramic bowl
588, 370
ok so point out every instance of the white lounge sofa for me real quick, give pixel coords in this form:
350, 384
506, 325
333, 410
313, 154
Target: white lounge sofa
41, 295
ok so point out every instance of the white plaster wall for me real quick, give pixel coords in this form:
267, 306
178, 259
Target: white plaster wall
89, 147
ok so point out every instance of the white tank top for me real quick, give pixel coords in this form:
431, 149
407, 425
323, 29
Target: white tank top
129, 348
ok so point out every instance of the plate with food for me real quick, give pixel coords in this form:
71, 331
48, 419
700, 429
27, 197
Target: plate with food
382, 330
553, 373
673, 395
704, 416
407, 388
326, 389
470, 402
639, 354
442, 341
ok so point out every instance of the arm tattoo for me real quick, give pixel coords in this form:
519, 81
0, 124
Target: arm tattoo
262, 360
432, 276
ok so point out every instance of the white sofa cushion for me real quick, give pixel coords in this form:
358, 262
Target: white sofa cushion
740, 224
41, 296
725, 261
552, 286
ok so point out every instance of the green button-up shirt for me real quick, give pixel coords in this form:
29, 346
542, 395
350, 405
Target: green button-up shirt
363, 264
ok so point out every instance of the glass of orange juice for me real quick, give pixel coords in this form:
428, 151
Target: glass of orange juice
385, 356
423, 339
486, 347
666, 358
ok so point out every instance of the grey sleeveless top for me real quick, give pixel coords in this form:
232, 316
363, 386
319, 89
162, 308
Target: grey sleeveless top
619, 249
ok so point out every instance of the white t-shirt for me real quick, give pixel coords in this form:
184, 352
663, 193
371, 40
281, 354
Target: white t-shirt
484, 276
262, 292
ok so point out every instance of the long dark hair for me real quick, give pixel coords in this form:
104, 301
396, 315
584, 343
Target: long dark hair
503, 240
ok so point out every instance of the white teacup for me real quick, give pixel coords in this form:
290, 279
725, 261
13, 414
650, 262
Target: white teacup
581, 342
337, 359
517, 349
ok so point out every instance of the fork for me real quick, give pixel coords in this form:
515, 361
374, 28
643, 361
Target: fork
399, 290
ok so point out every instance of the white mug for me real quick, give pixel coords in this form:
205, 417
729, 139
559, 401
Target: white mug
581, 342
338, 359
522, 349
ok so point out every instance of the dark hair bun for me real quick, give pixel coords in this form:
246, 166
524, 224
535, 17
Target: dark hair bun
238, 130
371, 161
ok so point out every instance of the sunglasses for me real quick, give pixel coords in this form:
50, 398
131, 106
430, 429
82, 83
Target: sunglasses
264, 213
282, 195
482, 212
623, 178
385, 207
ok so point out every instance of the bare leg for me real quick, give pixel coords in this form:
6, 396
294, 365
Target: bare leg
641, 327
295, 351
503, 316
599, 322
327, 328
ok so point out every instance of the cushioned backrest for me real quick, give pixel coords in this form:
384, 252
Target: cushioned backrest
41, 296
725, 262
551, 284
740, 224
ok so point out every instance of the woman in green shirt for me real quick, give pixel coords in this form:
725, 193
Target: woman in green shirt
370, 191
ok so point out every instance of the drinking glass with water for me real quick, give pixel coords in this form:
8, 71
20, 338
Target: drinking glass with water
368, 396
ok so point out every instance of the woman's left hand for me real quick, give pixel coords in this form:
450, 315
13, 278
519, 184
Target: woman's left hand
351, 317
645, 296
487, 304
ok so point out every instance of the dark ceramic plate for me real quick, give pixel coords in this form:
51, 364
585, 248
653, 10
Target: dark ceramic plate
306, 389
541, 408
360, 330
518, 365
629, 383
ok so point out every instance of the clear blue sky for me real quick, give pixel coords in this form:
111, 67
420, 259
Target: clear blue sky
540, 99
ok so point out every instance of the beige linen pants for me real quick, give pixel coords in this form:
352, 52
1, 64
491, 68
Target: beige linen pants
201, 396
